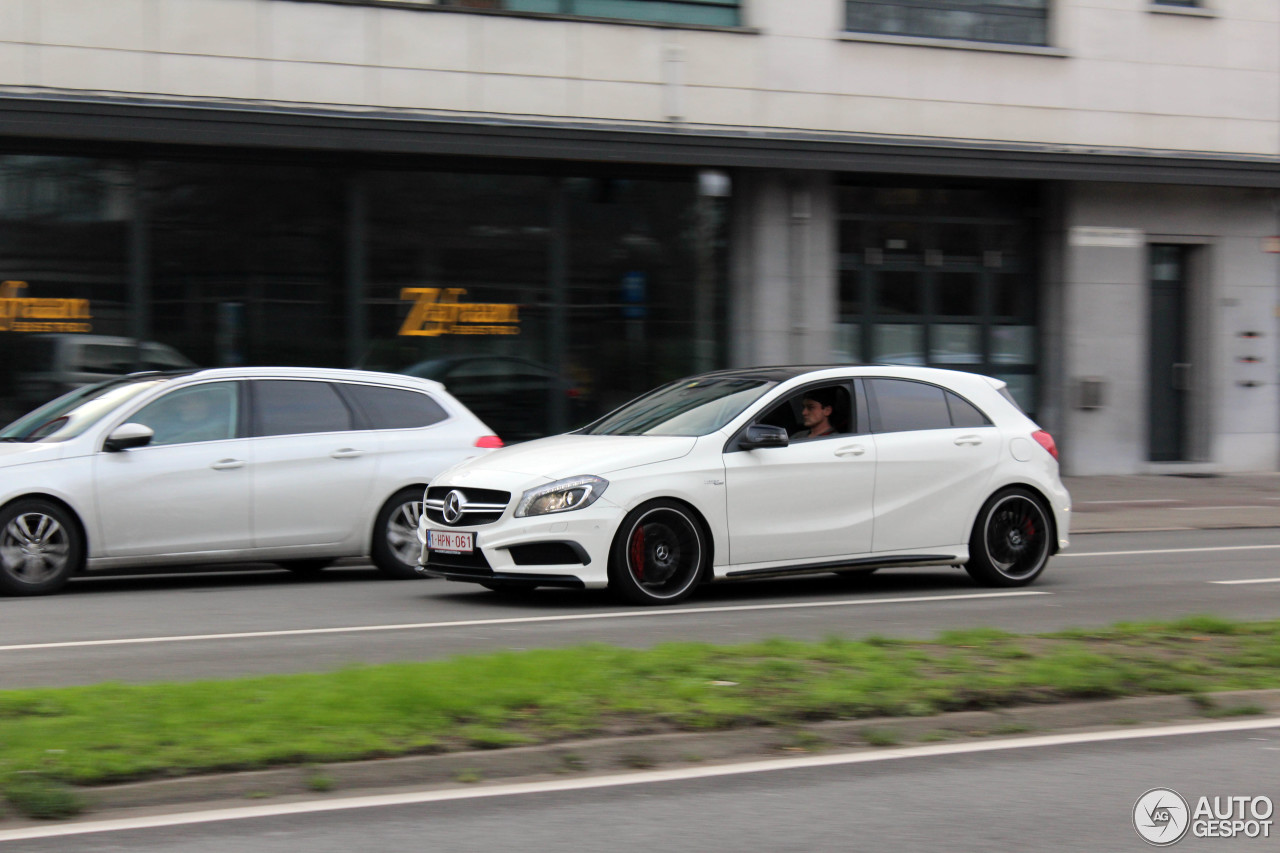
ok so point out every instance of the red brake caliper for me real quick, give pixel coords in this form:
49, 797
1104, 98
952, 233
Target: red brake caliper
637, 553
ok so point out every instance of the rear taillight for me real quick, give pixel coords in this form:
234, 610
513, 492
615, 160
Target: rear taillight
490, 441
1046, 441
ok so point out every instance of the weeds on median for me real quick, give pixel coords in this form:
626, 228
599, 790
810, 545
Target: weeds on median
112, 732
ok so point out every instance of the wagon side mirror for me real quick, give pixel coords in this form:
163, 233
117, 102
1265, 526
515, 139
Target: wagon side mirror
128, 436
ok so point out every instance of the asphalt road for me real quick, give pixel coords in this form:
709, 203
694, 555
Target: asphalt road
214, 625
1074, 796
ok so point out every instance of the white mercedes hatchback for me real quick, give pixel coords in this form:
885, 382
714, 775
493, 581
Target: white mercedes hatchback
297, 466
761, 472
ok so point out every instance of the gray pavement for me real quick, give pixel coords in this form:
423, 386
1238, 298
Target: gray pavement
1173, 502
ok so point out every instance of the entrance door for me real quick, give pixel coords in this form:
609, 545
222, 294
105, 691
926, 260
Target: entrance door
1169, 364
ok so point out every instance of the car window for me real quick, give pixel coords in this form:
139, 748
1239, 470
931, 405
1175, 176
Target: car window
293, 407
104, 358
74, 412
395, 408
790, 413
686, 407
156, 357
964, 413
907, 405
206, 412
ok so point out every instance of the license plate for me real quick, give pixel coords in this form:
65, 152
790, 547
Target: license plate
458, 543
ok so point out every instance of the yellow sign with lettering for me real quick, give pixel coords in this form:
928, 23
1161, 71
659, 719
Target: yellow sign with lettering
20, 313
437, 311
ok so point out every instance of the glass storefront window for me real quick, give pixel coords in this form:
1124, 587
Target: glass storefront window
64, 271
542, 302
954, 285
247, 262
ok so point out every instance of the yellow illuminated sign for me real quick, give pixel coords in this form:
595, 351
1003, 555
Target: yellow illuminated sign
30, 314
437, 311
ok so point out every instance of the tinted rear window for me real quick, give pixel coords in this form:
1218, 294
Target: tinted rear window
292, 407
909, 405
964, 413
395, 408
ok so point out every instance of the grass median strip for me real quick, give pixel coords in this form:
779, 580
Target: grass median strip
112, 732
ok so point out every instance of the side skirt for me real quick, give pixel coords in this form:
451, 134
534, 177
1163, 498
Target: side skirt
837, 565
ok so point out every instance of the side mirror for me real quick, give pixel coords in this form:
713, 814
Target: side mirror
764, 435
128, 436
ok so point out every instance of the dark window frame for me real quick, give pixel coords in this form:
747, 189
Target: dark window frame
244, 417
367, 420
915, 20
874, 413
256, 395
599, 10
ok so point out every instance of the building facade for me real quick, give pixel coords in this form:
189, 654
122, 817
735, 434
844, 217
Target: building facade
1078, 196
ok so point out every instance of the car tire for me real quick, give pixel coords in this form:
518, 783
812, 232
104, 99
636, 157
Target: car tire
395, 535
659, 554
311, 566
41, 547
1012, 539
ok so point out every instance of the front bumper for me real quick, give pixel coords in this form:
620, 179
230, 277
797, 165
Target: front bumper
569, 549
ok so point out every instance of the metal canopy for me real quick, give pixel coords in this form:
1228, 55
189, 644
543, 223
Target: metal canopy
29, 118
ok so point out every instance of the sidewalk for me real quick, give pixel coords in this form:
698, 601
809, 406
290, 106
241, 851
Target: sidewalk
1172, 502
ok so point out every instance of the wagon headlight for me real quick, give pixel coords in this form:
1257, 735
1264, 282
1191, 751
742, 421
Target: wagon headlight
561, 496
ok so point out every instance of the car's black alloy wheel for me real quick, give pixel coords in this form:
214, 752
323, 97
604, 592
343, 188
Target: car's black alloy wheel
658, 554
41, 546
1012, 540
395, 535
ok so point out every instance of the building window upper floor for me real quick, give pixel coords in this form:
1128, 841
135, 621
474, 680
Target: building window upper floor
1020, 22
716, 13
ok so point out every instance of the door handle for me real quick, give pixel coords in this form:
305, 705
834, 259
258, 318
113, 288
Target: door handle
851, 450
227, 464
975, 440
347, 453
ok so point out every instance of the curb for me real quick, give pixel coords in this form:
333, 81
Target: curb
643, 752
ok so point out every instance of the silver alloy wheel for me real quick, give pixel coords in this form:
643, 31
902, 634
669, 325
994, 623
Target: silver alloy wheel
402, 531
34, 548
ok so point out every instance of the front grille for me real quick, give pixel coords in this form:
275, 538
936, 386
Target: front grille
480, 506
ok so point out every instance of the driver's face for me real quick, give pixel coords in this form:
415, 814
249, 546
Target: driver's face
813, 413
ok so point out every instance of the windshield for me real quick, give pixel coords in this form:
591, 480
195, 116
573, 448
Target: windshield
687, 407
76, 411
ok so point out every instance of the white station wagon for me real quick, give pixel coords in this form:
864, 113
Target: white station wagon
758, 473
298, 466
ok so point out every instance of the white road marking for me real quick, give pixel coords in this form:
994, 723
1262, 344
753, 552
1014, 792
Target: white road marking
1142, 501
1214, 506
678, 774
1250, 580
1164, 551
519, 620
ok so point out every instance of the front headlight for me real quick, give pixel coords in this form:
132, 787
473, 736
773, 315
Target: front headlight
562, 495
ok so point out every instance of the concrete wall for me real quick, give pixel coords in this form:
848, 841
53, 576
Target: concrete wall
782, 269
1234, 427
1119, 74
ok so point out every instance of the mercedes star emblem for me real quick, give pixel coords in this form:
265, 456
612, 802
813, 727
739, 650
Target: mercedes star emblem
453, 504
